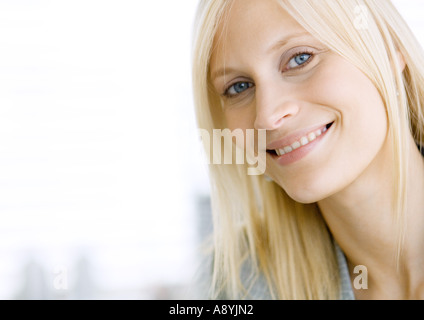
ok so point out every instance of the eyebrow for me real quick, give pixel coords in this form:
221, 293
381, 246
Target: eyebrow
287, 39
221, 72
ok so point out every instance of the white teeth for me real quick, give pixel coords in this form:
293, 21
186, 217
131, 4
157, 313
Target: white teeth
288, 149
302, 142
296, 145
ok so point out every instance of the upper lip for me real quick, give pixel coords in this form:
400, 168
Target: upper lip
291, 138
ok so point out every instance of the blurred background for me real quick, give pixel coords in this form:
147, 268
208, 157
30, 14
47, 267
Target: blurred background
104, 192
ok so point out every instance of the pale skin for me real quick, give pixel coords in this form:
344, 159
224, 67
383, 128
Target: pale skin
264, 85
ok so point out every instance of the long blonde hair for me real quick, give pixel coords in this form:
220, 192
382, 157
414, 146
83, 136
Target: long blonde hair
255, 222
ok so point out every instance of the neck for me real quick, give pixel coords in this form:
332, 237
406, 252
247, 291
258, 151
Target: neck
361, 219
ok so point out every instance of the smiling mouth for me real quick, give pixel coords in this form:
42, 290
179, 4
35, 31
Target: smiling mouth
303, 141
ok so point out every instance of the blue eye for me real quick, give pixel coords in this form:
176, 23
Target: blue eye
238, 88
298, 60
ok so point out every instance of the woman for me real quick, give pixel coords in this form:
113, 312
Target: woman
338, 86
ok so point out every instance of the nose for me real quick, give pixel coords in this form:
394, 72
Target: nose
274, 107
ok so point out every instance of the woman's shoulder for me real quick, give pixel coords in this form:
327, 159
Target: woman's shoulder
256, 285
258, 288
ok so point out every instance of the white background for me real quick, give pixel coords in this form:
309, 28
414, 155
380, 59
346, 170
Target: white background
100, 167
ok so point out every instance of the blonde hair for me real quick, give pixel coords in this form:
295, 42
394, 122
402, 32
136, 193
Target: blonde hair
255, 222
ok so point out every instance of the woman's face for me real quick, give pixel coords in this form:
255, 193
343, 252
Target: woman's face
326, 122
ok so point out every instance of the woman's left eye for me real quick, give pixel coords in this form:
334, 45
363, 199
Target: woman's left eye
299, 60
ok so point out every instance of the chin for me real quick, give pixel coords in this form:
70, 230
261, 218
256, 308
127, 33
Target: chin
306, 195
304, 199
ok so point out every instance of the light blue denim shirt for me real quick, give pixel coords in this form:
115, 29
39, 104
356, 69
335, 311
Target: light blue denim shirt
346, 291
259, 290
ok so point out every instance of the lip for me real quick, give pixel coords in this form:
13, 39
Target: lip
290, 139
303, 151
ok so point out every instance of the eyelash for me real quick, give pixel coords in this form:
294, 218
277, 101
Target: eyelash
311, 54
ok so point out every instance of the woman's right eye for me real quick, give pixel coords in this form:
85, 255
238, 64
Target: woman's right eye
237, 88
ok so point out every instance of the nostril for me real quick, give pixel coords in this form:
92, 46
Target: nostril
271, 117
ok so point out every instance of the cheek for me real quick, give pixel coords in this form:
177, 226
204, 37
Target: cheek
346, 90
330, 88
354, 100
358, 137
243, 119
240, 118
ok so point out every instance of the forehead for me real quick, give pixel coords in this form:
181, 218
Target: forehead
254, 27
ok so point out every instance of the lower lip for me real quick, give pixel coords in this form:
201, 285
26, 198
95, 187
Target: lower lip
300, 153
